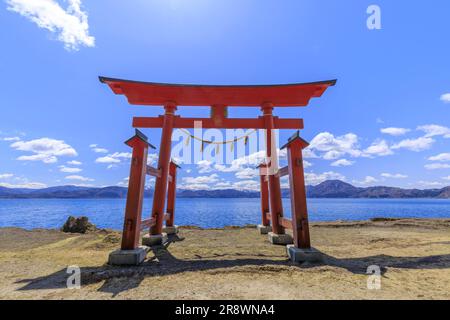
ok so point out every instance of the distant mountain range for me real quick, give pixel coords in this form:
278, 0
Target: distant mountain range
339, 189
327, 189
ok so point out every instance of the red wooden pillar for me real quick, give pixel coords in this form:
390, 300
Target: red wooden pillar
299, 210
133, 209
265, 209
276, 206
171, 194
159, 197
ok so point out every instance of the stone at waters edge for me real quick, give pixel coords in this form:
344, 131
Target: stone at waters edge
78, 225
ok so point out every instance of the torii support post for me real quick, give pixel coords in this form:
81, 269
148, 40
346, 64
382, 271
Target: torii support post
299, 209
136, 183
156, 235
131, 253
264, 227
171, 195
301, 250
278, 234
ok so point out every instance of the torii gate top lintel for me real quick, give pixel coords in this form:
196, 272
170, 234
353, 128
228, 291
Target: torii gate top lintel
157, 94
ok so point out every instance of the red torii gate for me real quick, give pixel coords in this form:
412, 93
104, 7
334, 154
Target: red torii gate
219, 98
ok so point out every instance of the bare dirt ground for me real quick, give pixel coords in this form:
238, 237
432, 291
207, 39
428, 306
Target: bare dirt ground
234, 263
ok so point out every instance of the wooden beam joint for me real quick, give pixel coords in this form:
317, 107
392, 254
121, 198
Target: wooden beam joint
153, 172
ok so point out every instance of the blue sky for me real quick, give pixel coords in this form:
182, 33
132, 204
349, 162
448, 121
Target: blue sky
387, 121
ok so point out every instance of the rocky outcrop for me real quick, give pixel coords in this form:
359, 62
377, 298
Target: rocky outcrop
78, 225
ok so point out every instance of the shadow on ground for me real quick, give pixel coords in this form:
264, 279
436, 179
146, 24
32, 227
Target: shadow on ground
119, 279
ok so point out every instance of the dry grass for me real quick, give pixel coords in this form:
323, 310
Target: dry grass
234, 263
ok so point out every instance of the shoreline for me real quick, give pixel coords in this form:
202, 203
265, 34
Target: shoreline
377, 221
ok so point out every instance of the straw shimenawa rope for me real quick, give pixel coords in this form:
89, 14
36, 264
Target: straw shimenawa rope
218, 143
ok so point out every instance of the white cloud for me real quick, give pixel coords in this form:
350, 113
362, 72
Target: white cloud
107, 159
199, 183
249, 185
21, 182
247, 173
94, 147
123, 155
445, 98
100, 150
6, 175
79, 178
222, 185
394, 176
224, 168
443, 157
315, 179
446, 178
242, 163
70, 25
430, 184
378, 148
86, 185
368, 180
307, 164
45, 149
74, 163
204, 166
201, 179
26, 185
329, 147
149, 182
252, 160
437, 166
432, 130
342, 163
11, 139
114, 157
39, 157
309, 154
124, 182
417, 145
152, 158
335, 147
204, 182
332, 155
395, 131
282, 154
69, 169
194, 186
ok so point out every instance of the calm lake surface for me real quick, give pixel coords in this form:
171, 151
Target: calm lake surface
108, 213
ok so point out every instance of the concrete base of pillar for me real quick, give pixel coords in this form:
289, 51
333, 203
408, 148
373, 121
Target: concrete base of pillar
281, 239
262, 229
304, 255
128, 257
154, 239
171, 230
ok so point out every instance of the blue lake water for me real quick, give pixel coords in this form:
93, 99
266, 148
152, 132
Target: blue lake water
108, 213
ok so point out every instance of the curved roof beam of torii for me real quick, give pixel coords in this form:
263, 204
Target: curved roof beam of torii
157, 94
